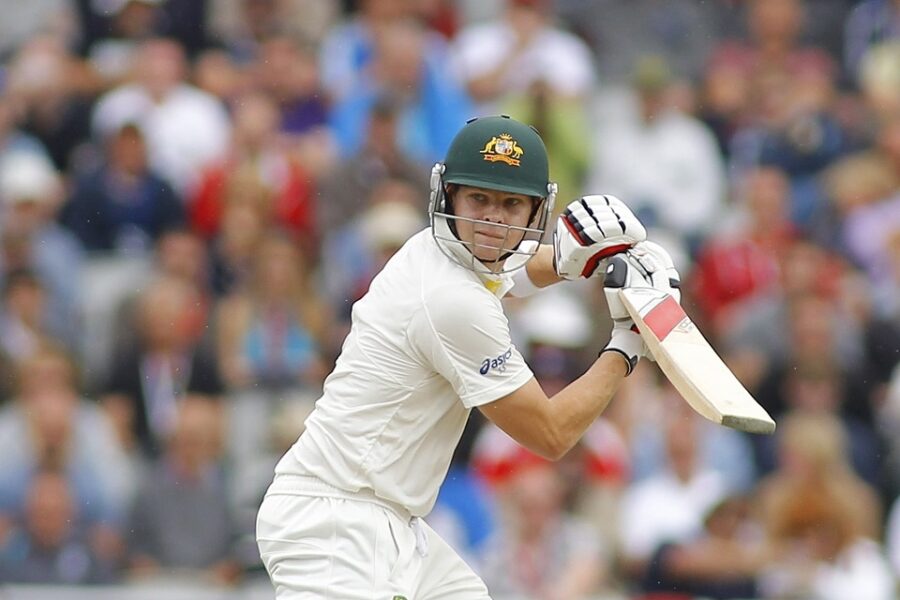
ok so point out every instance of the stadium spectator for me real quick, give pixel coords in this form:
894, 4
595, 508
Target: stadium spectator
620, 32
127, 24
271, 333
723, 97
775, 38
811, 279
232, 251
813, 458
668, 506
432, 102
867, 226
259, 170
664, 161
185, 128
49, 426
355, 252
741, 260
823, 521
149, 379
23, 330
811, 388
123, 206
241, 27
520, 49
54, 93
111, 29
539, 551
593, 474
380, 157
854, 182
562, 121
179, 254
218, 74
878, 79
721, 562
50, 546
181, 521
797, 132
286, 71
31, 239
348, 49
719, 450
812, 329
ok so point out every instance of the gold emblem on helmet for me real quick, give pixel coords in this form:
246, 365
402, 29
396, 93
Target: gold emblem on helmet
503, 148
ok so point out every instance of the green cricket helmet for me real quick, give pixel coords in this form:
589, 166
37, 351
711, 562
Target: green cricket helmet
496, 153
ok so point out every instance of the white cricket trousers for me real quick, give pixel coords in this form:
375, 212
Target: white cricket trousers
320, 542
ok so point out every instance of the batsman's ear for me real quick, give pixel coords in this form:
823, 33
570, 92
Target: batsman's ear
616, 273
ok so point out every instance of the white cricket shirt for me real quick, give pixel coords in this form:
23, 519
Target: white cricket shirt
428, 342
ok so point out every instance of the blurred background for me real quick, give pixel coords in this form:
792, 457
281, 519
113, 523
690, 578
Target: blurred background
194, 192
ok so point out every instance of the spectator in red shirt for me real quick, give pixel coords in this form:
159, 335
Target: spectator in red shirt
743, 260
259, 170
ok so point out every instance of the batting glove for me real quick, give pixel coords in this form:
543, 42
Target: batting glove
590, 230
646, 265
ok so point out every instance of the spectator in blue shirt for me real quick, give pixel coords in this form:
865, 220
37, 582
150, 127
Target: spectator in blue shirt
123, 205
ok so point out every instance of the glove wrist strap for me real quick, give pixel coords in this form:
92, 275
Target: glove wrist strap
630, 361
628, 343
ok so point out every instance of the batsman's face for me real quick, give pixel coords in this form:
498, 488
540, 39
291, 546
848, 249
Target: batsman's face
486, 217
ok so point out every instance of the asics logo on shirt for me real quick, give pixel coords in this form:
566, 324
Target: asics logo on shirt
498, 363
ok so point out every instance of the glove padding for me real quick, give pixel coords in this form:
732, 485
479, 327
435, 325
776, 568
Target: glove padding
646, 265
590, 230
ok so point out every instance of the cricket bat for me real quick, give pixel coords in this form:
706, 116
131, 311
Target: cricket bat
691, 364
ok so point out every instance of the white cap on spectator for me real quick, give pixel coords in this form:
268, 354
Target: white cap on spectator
390, 223
26, 177
556, 317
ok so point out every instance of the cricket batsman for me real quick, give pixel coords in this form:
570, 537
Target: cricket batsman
429, 342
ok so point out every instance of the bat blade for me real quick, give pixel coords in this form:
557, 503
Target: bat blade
690, 363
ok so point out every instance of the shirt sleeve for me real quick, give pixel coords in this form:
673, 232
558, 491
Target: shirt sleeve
523, 287
463, 334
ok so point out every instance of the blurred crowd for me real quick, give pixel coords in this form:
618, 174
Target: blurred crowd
194, 192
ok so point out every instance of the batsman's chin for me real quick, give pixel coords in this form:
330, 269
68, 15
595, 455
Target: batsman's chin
488, 254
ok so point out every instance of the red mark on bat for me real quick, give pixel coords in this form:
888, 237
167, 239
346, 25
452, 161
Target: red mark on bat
664, 317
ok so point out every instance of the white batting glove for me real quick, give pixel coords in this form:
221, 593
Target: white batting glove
590, 230
646, 265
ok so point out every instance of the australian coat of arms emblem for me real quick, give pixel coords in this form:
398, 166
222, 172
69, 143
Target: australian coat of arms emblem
503, 148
